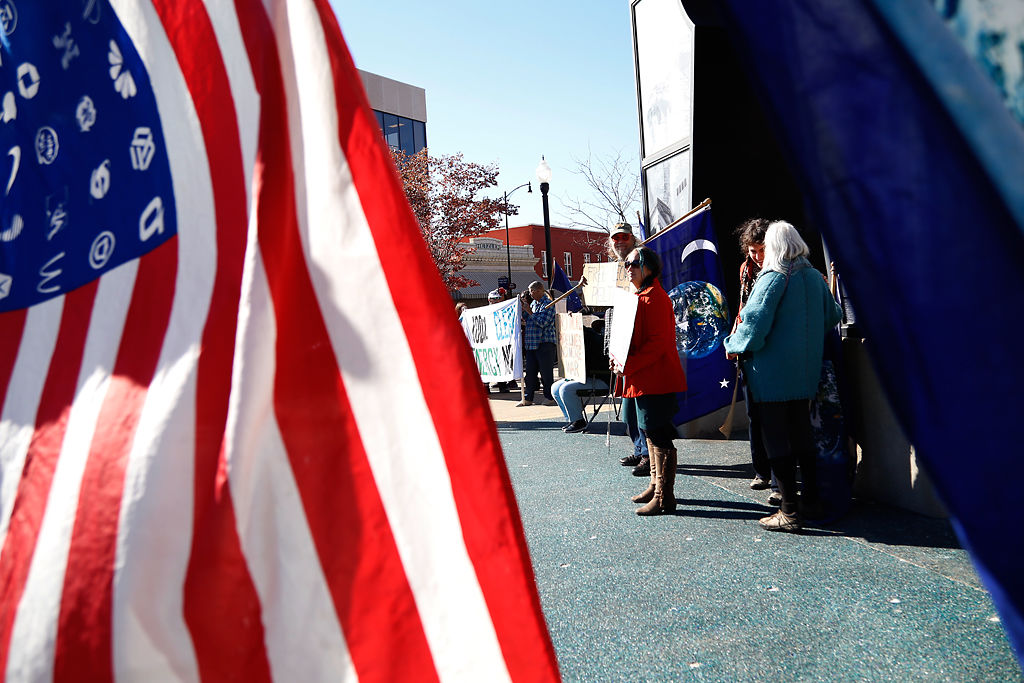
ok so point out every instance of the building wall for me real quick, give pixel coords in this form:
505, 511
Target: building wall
401, 111
579, 244
490, 261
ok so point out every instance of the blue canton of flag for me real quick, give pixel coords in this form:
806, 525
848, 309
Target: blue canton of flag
692, 276
560, 282
87, 186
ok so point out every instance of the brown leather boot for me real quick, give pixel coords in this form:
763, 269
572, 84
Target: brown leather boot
663, 501
668, 504
649, 491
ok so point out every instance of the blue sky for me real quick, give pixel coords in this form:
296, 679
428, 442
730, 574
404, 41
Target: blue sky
508, 82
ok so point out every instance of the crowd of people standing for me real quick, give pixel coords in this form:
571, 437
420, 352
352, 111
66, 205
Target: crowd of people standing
777, 340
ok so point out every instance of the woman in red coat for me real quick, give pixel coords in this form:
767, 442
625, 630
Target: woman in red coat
653, 375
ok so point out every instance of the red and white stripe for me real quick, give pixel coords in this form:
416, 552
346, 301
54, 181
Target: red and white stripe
282, 466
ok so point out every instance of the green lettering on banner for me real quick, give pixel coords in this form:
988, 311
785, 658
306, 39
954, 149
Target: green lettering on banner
486, 361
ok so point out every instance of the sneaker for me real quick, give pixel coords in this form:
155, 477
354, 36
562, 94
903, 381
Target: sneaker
780, 521
775, 499
760, 483
643, 468
630, 460
524, 402
577, 426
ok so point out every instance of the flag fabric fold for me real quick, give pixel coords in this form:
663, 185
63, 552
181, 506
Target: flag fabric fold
241, 434
911, 165
692, 275
560, 281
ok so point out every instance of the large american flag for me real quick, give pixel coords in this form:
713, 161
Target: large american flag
242, 435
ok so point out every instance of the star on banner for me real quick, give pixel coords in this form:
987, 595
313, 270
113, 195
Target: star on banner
724, 384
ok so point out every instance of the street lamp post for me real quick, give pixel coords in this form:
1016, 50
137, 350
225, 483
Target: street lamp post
544, 176
508, 254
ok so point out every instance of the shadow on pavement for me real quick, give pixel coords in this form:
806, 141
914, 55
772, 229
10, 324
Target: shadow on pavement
736, 471
545, 426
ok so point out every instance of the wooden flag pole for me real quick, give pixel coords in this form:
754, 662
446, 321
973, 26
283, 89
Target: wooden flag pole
703, 205
582, 282
726, 427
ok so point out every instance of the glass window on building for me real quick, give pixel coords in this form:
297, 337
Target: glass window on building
667, 184
664, 54
391, 131
586, 258
543, 264
567, 257
419, 131
406, 136
664, 40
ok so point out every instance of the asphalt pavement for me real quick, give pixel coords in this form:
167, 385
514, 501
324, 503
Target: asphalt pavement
707, 595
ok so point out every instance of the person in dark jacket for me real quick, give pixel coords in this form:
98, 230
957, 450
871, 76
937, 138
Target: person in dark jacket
780, 340
653, 375
751, 236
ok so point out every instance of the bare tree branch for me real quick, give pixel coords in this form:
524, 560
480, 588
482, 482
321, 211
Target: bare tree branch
615, 191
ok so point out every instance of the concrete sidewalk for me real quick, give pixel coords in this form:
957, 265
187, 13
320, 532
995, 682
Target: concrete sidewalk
706, 595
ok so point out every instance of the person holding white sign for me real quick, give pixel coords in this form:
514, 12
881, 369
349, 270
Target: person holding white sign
596, 363
653, 375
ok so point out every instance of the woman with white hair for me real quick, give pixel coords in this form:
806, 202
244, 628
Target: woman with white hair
780, 341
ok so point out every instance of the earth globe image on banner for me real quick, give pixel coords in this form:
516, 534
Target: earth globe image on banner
702, 317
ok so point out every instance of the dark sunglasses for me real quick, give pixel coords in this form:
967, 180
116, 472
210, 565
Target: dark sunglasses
633, 264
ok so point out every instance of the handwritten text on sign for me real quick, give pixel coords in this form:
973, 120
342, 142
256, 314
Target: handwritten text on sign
495, 334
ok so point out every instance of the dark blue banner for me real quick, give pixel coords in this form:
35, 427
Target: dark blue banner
692, 276
911, 165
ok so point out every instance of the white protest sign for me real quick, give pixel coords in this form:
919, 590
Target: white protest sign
602, 281
495, 334
625, 304
570, 346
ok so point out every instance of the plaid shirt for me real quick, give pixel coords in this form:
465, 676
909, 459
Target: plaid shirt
540, 326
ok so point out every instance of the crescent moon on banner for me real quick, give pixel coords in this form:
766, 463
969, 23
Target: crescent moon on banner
697, 245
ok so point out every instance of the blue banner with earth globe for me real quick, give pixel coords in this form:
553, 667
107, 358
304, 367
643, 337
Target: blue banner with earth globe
692, 276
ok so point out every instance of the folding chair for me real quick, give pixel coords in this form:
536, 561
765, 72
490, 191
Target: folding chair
593, 400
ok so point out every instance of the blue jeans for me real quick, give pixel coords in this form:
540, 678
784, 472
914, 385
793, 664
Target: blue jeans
639, 437
540, 359
569, 401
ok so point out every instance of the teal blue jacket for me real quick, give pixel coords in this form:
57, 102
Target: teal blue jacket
782, 332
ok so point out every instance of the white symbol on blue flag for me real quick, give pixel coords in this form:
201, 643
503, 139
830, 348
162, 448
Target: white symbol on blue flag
15, 154
91, 11
102, 249
54, 98
123, 81
28, 80
67, 43
12, 231
47, 145
48, 273
151, 222
10, 107
99, 183
56, 213
5, 285
8, 17
142, 149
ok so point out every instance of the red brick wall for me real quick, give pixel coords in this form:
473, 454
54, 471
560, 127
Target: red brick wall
576, 242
